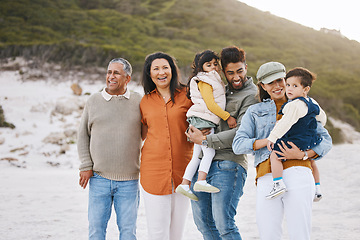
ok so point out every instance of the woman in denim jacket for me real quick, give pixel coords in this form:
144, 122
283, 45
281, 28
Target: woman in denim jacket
251, 137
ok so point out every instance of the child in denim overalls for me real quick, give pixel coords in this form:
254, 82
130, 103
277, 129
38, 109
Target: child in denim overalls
298, 125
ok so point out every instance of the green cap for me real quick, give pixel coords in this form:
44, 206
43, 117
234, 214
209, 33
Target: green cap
270, 71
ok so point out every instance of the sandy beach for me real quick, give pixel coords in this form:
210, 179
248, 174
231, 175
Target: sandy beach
39, 193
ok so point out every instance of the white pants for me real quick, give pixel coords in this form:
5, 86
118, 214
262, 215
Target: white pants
165, 215
296, 204
203, 164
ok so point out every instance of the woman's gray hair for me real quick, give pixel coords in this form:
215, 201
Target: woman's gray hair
126, 65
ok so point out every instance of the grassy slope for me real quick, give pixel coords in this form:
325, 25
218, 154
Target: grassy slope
90, 32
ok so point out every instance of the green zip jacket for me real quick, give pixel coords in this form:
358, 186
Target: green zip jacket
237, 102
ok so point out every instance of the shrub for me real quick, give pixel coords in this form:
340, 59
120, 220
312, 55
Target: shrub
3, 123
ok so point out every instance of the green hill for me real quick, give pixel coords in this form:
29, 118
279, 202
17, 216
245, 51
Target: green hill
91, 32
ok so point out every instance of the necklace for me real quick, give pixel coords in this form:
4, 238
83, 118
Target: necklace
165, 95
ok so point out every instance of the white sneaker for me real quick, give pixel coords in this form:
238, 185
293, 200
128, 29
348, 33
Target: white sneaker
198, 187
318, 197
187, 193
279, 188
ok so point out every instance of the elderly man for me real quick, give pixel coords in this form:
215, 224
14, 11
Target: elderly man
109, 141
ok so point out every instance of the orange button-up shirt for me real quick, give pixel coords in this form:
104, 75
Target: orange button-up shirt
166, 151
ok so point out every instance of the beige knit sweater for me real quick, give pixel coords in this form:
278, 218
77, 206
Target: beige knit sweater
109, 137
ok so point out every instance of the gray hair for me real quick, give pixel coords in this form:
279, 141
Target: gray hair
126, 65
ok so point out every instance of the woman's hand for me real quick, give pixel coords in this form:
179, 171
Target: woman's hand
206, 131
260, 143
289, 153
195, 135
270, 146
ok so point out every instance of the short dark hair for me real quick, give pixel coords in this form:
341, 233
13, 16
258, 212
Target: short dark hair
306, 77
232, 54
146, 80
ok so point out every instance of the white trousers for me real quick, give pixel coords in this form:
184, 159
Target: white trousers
195, 162
165, 215
295, 204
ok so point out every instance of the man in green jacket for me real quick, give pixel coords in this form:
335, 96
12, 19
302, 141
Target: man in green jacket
214, 212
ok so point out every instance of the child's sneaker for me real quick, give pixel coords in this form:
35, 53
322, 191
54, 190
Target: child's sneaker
188, 193
279, 188
205, 187
318, 197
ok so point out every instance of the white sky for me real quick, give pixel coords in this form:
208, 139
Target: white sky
341, 15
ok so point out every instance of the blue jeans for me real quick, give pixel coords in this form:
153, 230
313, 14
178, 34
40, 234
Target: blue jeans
214, 212
102, 194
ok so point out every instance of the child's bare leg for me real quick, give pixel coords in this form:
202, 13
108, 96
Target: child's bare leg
316, 174
279, 187
201, 175
185, 182
276, 166
315, 171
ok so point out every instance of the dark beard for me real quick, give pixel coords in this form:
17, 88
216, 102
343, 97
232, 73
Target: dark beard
243, 81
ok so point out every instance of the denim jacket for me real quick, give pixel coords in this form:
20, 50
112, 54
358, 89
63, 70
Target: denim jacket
257, 123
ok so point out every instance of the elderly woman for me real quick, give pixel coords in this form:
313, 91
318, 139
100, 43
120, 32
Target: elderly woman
251, 137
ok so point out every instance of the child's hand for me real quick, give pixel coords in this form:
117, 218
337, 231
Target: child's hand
231, 121
270, 145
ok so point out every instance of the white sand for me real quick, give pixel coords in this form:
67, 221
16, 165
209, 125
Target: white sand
40, 197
